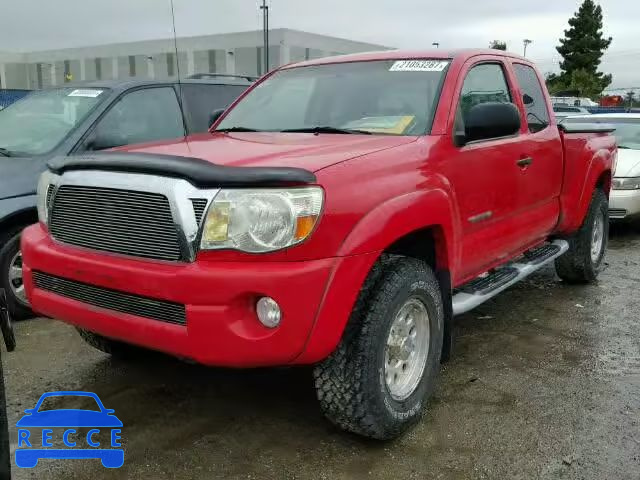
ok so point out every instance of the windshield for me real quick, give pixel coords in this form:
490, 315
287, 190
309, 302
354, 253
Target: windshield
384, 97
39, 122
627, 129
59, 402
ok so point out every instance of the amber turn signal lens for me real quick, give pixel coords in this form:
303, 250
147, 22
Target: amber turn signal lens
304, 226
217, 225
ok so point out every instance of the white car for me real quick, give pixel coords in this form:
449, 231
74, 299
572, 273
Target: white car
564, 111
624, 202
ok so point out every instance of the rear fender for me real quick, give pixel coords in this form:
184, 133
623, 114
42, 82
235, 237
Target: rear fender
577, 191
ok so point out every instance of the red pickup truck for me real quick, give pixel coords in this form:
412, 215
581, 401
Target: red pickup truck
339, 214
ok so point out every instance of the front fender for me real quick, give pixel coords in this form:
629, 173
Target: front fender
400, 216
379, 229
11, 208
16, 205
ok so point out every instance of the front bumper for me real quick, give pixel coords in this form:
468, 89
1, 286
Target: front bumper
624, 204
219, 298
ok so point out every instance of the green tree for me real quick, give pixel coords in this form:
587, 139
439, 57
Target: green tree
582, 82
498, 45
582, 48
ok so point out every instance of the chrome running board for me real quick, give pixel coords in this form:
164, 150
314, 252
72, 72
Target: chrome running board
478, 291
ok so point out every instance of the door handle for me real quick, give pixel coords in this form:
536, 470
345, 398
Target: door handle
524, 162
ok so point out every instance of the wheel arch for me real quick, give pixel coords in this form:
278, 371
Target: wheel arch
402, 223
579, 187
418, 225
23, 217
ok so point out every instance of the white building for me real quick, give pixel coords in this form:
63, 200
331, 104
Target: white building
236, 53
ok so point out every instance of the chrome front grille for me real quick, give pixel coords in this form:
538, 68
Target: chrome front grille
112, 299
119, 221
199, 205
49, 196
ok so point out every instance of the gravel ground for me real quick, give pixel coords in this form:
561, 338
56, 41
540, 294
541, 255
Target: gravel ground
544, 383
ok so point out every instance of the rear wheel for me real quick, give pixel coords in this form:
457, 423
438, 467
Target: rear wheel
379, 378
587, 247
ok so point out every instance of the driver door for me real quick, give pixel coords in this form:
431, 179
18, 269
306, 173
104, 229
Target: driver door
484, 174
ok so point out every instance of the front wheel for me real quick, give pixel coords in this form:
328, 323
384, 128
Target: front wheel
587, 247
379, 378
11, 278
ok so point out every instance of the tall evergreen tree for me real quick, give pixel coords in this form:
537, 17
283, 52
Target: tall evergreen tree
584, 44
498, 45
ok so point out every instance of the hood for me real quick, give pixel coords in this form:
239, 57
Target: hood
628, 163
267, 149
19, 176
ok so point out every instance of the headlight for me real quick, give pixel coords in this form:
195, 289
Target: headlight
261, 220
43, 192
630, 183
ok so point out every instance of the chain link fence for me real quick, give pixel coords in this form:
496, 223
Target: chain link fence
8, 96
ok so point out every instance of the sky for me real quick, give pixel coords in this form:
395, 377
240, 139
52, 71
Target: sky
44, 25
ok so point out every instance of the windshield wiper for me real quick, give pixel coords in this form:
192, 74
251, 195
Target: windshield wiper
237, 129
5, 153
326, 129
624, 147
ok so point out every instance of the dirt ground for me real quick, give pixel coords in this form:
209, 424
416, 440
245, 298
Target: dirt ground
544, 383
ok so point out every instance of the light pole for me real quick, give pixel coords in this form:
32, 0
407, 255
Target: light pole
265, 31
436, 44
526, 42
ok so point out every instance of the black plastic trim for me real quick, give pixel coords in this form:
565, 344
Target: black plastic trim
200, 173
586, 127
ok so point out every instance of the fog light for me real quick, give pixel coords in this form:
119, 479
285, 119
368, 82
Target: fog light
268, 312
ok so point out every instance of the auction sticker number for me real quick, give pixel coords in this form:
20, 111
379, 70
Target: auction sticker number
84, 92
419, 66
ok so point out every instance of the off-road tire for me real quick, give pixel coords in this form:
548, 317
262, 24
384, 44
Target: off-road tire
576, 265
9, 246
350, 383
112, 347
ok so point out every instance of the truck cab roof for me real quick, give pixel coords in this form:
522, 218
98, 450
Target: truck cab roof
434, 53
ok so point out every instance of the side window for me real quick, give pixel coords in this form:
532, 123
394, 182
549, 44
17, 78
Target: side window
138, 117
533, 97
484, 83
201, 100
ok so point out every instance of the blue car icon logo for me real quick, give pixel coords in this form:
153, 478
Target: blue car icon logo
32, 447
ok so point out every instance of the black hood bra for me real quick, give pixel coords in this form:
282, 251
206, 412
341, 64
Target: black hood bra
200, 173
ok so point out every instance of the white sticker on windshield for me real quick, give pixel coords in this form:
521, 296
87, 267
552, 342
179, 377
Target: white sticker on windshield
84, 92
419, 66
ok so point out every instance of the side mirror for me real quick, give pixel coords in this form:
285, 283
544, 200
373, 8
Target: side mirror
491, 120
215, 115
98, 141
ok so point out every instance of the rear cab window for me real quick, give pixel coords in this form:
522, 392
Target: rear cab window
201, 100
535, 103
